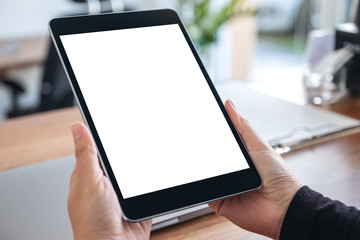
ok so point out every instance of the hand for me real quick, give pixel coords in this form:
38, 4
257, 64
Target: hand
260, 211
93, 206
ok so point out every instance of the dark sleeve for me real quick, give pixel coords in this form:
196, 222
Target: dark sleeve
313, 216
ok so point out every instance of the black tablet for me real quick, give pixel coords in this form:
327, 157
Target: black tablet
163, 135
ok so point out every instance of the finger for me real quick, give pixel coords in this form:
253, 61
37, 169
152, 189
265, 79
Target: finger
87, 163
251, 139
216, 205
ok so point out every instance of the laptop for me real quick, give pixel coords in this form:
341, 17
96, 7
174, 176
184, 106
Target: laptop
33, 202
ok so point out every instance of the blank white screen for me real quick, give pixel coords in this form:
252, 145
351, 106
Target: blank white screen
156, 116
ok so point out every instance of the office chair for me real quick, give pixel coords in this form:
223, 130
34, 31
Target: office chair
16, 89
55, 90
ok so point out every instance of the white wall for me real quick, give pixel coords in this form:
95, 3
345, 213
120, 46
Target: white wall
23, 18
29, 18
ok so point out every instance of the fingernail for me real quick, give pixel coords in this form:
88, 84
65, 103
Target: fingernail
76, 131
232, 104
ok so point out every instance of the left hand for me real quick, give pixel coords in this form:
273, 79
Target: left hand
93, 206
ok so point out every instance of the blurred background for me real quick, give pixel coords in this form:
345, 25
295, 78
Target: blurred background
260, 41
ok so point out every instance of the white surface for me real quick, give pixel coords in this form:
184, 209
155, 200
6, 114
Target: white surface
155, 114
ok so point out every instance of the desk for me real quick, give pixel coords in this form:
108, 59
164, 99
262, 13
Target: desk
17, 53
332, 168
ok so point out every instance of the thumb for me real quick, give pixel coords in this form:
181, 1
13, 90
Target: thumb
251, 139
87, 163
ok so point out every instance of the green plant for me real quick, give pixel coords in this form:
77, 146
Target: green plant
203, 22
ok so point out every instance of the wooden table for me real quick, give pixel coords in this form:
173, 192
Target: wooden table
332, 167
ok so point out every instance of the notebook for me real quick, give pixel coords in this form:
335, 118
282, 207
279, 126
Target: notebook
33, 202
286, 125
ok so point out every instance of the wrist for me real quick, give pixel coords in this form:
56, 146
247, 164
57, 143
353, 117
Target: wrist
285, 206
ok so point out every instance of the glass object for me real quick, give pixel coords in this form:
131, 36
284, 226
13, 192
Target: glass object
325, 71
324, 88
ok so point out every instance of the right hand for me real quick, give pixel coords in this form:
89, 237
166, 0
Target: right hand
260, 211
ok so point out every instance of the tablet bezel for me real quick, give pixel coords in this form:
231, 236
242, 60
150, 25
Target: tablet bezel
175, 198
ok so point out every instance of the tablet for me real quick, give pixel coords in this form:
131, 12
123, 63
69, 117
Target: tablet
163, 135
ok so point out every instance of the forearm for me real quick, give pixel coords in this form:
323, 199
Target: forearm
313, 216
